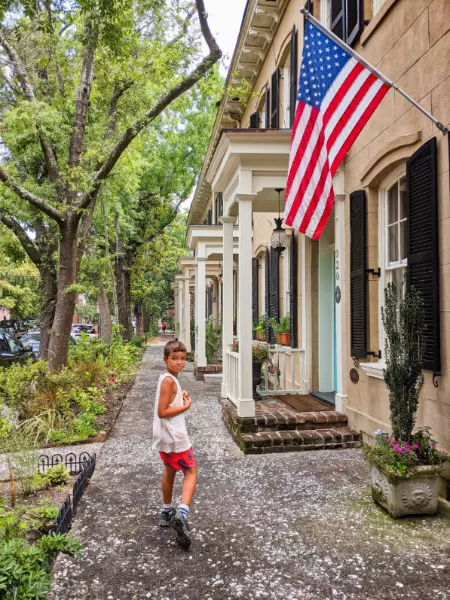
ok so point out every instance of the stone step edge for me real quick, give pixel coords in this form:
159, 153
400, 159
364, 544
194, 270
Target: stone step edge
284, 441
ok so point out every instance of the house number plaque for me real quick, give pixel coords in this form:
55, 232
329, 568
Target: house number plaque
338, 294
354, 375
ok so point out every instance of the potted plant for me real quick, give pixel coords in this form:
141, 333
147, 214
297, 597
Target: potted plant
282, 330
260, 355
260, 328
404, 465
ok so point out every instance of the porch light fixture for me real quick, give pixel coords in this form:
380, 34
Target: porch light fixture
279, 240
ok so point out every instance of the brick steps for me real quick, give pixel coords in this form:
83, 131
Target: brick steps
289, 421
266, 442
276, 428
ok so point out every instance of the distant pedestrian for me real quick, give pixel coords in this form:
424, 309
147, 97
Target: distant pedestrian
163, 327
171, 439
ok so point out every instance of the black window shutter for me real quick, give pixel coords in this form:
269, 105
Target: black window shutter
275, 100
254, 121
338, 18
255, 315
267, 290
267, 124
358, 274
274, 287
293, 290
423, 244
353, 20
293, 76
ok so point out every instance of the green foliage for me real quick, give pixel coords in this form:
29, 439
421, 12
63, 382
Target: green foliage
281, 326
403, 320
260, 326
213, 341
260, 352
57, 475
25, 569
61, 407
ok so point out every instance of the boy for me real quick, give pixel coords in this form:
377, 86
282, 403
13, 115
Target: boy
172, 441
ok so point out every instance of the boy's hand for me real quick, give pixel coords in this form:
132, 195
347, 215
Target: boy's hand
187, 400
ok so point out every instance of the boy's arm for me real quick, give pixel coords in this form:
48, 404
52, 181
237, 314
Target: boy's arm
166, 396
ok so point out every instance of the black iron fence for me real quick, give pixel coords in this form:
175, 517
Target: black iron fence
84, 465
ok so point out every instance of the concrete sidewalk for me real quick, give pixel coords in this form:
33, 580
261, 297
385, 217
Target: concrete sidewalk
285, 526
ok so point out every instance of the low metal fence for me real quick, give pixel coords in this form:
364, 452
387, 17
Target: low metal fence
84, 465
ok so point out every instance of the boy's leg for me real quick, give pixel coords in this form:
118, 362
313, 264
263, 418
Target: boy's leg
168, 480
189, 485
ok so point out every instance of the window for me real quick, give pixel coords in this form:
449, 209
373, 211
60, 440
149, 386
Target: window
218, 206
346, 19
254, 121
396, 231
14, 347
275, 100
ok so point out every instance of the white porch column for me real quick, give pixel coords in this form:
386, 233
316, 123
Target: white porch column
180, 308
200, 315
246, 405
227, 310
187, 311
339, 239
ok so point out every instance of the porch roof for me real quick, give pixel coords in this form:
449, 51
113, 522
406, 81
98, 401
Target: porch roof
207, 240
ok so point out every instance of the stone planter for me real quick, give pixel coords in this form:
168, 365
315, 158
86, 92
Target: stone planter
417, 495
257, 378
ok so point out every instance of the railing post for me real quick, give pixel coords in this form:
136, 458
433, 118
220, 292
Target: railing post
200, 317
227, 310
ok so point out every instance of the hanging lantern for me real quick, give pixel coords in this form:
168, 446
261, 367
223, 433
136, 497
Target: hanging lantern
279, 240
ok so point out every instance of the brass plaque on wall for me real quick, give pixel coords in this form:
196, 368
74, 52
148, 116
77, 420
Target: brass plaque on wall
354, 375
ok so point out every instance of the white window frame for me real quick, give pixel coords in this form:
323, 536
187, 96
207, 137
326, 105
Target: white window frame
386, 268
285, 107
377, 4
325, 13
286, 286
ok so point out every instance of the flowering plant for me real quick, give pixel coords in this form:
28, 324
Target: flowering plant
401, 459
259, 351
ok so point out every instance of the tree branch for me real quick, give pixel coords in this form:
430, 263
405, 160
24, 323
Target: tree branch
20, 233
84, 91
28, 92
135, 128
35, 201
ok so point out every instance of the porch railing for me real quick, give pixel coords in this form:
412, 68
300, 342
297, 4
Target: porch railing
286, 374
232, 359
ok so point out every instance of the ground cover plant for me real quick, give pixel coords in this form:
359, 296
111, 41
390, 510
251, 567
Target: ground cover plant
38, 406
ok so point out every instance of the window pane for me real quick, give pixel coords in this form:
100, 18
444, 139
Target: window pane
393, 244
336, 8
397, 277
393, 204
403, 239
14, 347
403, 198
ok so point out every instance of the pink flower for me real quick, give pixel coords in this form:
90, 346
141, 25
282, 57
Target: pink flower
388, 440
394, 442
443, 453
433, 446
415, 446
415, 455
408, 449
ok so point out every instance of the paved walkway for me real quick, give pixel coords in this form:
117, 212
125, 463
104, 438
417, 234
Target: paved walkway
296, 526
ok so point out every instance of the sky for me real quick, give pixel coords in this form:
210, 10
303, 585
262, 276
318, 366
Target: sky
225, 18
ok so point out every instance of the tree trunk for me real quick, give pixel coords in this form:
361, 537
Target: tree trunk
139, 313
123, 289
65, 304
105, 316
49, 296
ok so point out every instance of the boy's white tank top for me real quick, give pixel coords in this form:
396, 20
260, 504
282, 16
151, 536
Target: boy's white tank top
170, 435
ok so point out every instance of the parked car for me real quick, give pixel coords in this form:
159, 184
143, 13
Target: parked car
12, 350
79, 328
33, 339
13, 327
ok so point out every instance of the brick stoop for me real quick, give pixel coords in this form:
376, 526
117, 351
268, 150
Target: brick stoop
277, 428
200, 372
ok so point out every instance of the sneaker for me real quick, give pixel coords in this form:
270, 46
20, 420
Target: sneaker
166, 517
180, 524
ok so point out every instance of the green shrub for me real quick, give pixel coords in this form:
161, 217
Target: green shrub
25, 570
57, 475
213, 341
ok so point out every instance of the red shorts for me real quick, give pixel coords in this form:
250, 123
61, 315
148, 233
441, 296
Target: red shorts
181, 461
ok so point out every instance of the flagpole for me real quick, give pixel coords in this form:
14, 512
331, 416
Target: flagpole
371, 68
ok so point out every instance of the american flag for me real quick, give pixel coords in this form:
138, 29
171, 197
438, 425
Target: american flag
336, 97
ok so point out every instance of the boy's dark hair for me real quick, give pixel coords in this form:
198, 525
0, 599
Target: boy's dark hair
174, 346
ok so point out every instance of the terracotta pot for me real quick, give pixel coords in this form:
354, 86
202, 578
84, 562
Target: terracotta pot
417, 495
284, 339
